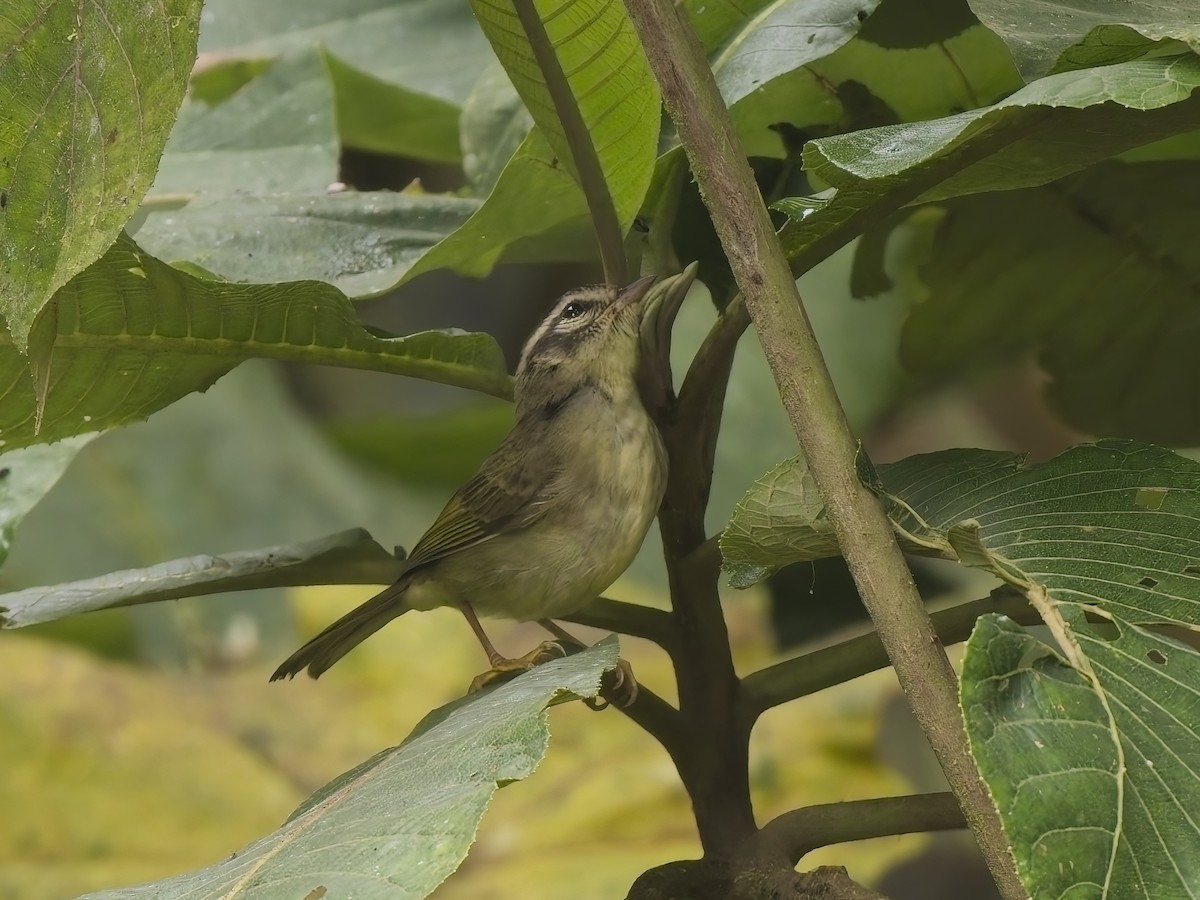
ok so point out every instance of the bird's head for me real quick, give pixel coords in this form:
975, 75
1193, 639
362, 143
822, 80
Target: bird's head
590, 338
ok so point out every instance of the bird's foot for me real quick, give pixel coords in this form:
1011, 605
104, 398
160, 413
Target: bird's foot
503, 668
618, 688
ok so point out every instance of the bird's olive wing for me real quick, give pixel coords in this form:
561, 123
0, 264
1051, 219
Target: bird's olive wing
510, 491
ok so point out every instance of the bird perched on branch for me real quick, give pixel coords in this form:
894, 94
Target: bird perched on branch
559, 509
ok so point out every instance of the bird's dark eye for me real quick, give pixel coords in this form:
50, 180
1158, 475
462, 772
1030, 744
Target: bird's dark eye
572, 311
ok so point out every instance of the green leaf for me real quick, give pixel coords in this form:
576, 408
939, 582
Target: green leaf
1094, 771
379, 117
780, 520
446, 448
1057, 35
275, 135
783, 36
400, 823
609, 77
400, 68
252, 177
494, 123
362, 243
132, 334
1104, 292
714, 22
89, 95
536, 213
1050, 129
937, 502
250, 468
846, 77
25, 477
348, 557
216, 79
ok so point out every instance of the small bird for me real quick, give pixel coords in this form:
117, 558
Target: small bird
559, 509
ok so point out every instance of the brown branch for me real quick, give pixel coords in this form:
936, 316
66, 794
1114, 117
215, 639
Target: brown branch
864, 533
629, 618
795, 834
660, 719
709, 370
820, 669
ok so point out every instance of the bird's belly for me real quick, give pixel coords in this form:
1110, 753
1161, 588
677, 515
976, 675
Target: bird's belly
545, 573
574, 552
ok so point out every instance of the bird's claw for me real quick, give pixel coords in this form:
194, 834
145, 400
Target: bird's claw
504, 669
618, 688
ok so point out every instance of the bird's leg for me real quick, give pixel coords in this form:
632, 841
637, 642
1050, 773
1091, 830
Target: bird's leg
617, 686
503, 668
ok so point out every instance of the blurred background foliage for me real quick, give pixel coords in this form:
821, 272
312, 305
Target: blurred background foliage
142, 742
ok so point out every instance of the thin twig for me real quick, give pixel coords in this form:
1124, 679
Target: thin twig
795, 834
715, 356
660, 719
629, 618
864, 533
837, 664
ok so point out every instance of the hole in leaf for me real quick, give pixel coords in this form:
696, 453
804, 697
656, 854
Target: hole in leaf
1148, 582
1157, 657
1150, 498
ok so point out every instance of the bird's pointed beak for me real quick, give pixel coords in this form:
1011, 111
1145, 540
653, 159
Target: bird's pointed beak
635, 293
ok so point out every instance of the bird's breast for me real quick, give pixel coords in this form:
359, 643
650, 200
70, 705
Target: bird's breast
612, 477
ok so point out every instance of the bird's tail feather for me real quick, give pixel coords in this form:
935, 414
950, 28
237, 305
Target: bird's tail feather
345, 634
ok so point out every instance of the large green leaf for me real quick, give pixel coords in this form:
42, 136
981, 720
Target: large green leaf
896, 24
443, 449
783, 36
88, 95
780, 520
348, 557
362, 243
493, 125
379, 117
609, 78
1052, 128
25, 477
536, 212
1093, 770
132, 334
1105, 293
822, 68
928, 497
399, 824
242, 192
1092, 751
400, 68
275, 135
251, 469
1065, 34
